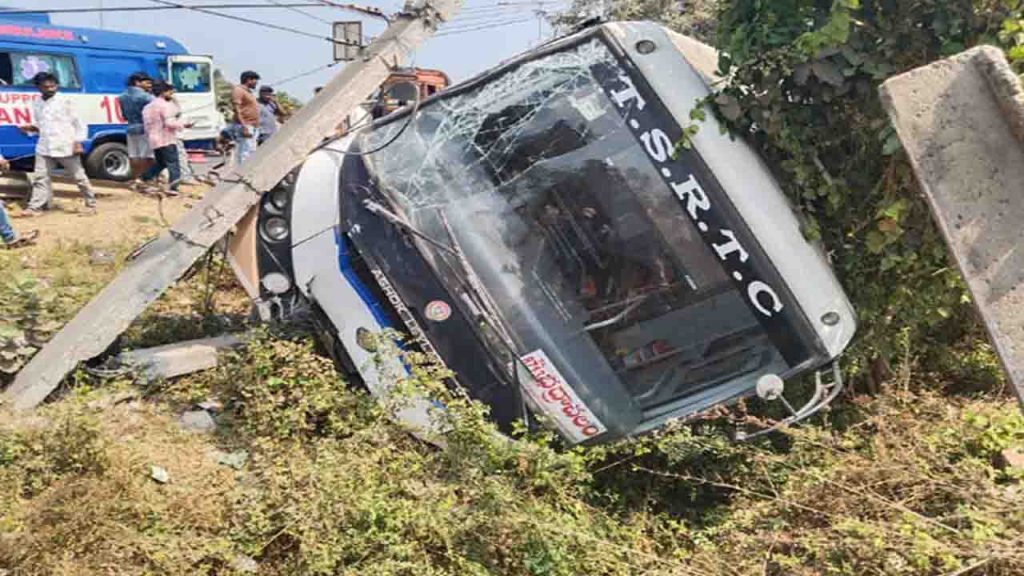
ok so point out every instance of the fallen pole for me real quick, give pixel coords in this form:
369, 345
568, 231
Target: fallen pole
961, 121
161, 263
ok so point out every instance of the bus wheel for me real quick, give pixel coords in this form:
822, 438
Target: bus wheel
109, 161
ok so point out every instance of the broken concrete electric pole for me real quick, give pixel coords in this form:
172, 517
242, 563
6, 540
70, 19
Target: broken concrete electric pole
162, 262
961, 121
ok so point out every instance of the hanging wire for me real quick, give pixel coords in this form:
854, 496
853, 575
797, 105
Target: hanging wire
303, 74
452, 32
481, 22
300, 11
368, 10
224, 6
254, 22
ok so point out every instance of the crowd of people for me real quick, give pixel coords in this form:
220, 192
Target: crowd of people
154, 144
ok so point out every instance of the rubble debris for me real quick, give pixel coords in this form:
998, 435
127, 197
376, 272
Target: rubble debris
211, 405
1011, 459
245, 564
236, 459
159, 474
179, 359
198, 421
97, 257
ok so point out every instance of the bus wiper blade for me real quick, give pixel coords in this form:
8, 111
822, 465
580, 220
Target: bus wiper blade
488, 309
618, 317
383, 212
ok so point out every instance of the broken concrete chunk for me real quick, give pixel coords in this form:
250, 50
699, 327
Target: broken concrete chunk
211, 405
198, 421
1012, 459
245, 564
160, 475
236, 459
97, 256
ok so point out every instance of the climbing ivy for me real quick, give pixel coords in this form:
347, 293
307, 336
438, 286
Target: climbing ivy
802, 85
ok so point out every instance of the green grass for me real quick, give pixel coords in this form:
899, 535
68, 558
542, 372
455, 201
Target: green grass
903, 483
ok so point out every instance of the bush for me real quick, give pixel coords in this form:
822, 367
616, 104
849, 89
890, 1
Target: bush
802, 85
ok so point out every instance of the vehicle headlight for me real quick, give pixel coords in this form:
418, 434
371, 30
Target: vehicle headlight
275, 229
279, 198
276, 283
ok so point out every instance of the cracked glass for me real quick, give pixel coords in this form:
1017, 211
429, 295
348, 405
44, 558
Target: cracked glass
582, 248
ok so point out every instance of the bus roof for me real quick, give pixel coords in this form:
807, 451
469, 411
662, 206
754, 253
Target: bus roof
37, 29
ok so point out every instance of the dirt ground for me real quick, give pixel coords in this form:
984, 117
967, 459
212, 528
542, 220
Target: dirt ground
123, 215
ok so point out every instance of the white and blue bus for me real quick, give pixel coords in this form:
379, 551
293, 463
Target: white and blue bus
93, 66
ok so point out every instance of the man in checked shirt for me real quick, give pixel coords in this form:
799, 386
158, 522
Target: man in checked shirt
61, 134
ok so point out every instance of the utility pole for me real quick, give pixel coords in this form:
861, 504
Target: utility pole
166, 259
101, 15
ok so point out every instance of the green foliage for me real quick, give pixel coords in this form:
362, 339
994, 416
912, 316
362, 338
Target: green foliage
283, 392
28, 316
802, 86
695, 18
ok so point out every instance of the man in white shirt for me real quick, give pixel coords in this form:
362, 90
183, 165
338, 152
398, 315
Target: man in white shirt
61, 134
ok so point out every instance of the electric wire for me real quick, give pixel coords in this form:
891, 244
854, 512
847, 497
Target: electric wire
309, 72
483, 22
389, 141
495, 17
368, 10
224, 6
511, 11
452, 32
253, 22
300, 11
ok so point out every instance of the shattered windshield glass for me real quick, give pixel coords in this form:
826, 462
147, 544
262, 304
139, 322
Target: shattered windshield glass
585, 252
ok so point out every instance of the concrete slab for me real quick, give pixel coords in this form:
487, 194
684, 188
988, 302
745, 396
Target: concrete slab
961, 121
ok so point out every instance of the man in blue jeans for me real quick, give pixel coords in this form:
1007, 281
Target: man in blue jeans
8, 236
162, 119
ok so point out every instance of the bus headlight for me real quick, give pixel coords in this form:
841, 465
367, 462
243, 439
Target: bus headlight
276, 283
279, 198
275, 229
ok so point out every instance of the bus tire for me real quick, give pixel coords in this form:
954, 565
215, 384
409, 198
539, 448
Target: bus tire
109, 161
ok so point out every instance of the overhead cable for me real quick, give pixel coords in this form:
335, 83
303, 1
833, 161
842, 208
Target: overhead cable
223, 6
303, 74
254, 22
299, 11
451, 32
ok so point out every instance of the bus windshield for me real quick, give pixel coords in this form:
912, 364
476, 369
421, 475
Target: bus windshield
584, 250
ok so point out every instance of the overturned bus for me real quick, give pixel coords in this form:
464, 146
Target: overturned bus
540, 231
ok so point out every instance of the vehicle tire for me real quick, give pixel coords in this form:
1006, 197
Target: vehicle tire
109, 161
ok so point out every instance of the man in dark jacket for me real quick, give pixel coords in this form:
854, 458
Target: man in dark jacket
133, 100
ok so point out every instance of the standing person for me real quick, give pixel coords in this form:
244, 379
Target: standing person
61, 134
270, 113
247, 114
162, 119
132, 101
9, 237
187, 174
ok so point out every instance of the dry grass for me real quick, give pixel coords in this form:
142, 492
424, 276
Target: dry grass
78, 497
